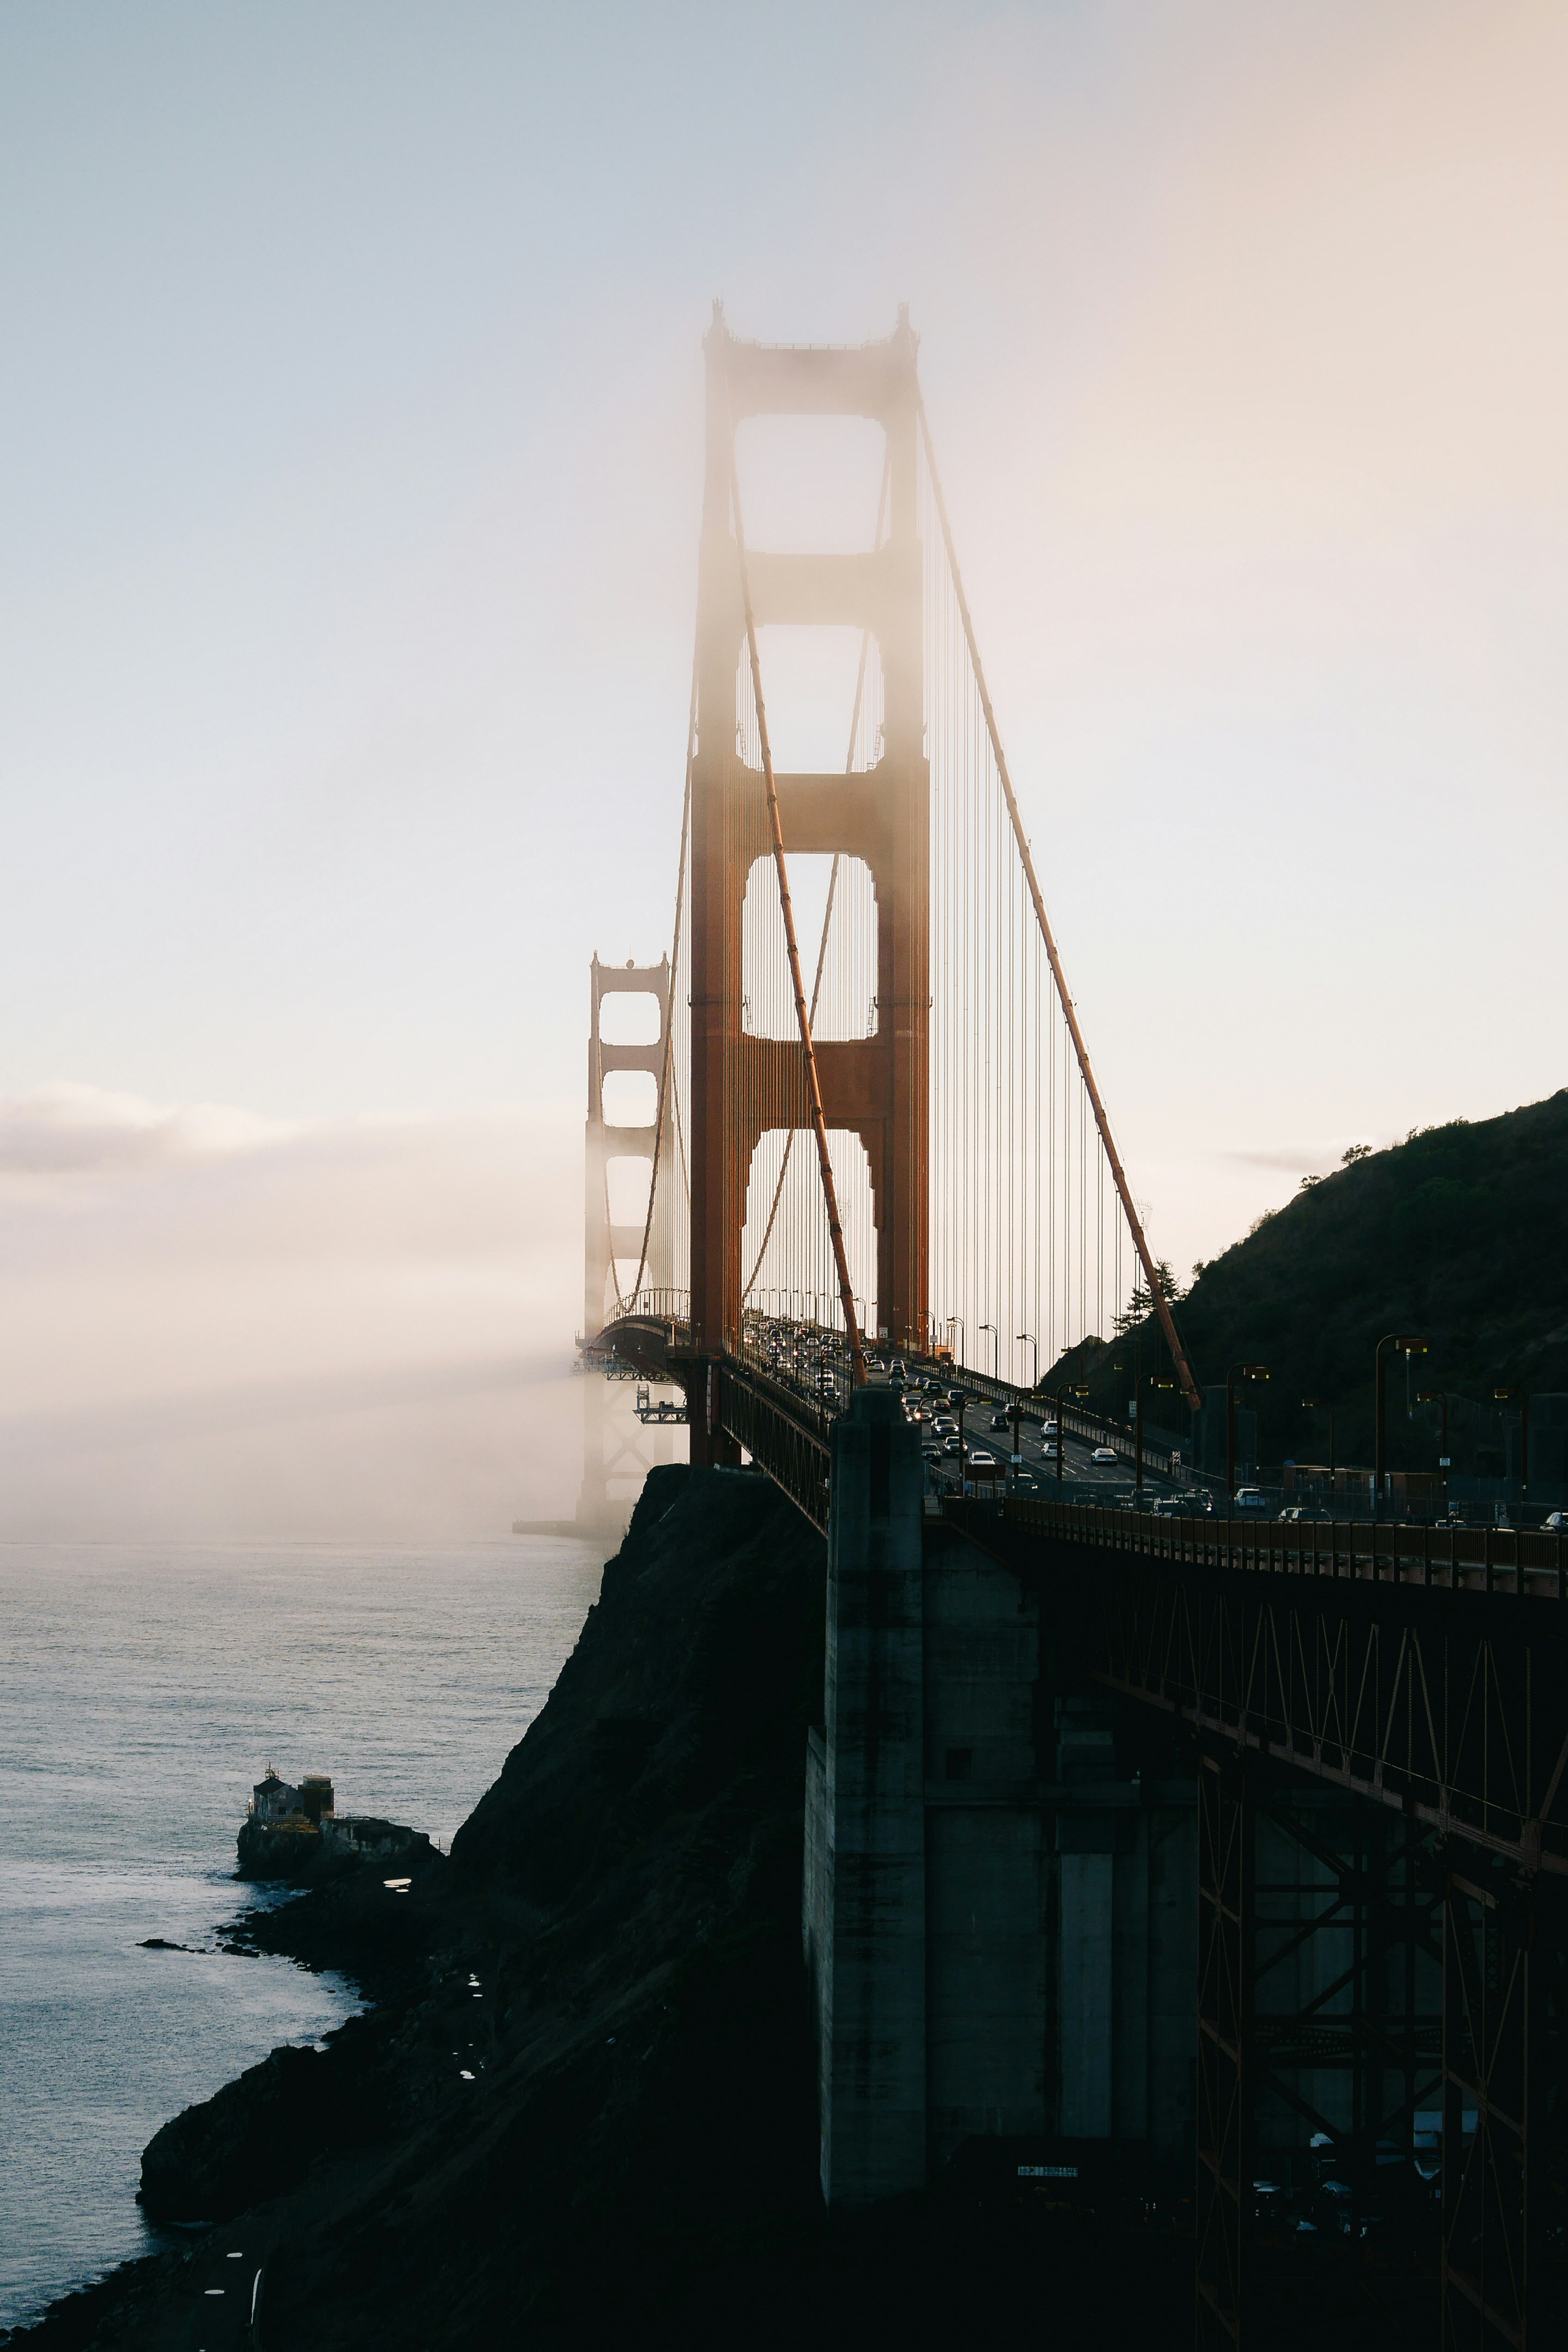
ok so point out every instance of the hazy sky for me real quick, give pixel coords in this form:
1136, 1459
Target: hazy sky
348, 459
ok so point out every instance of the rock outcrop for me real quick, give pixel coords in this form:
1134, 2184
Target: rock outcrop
301, 1850
257, 2136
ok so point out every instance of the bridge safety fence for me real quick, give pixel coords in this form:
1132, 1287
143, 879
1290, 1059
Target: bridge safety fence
1526, 1563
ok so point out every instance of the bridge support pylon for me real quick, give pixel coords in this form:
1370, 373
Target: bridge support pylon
866, 1898
997, 1903
603, 1240
743, 1086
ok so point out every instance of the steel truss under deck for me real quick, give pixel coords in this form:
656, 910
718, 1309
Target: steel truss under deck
1440, 1714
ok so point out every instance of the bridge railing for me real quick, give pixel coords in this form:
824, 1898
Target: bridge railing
1526, 1563
785, 1433
657, 1305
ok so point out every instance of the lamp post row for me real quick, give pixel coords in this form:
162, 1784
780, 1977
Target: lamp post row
1406, 1342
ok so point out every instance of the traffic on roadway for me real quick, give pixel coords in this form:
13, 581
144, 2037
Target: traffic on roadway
968, 1443
967, 1435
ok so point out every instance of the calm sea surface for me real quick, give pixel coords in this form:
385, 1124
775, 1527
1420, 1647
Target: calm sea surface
142, 1692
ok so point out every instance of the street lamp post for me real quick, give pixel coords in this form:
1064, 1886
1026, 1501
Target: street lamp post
956, 1322
996, 1355
1078, 1389
1522, 1397
1034, 1343
1150, 1382
1413, 1344
1241, 1373
1317, 1404
1438, 1397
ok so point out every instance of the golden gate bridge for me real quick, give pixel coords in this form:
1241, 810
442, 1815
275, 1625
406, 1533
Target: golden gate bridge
878, 1145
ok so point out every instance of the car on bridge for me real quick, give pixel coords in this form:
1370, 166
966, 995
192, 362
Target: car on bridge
1001, 1421
1249, 1499
1104, 1454
954, 1445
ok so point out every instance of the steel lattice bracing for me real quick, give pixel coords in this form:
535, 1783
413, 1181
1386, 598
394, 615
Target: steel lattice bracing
1225, 1900
1424, 1678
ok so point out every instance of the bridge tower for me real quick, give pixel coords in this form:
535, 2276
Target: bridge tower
603, 1241
742, 1085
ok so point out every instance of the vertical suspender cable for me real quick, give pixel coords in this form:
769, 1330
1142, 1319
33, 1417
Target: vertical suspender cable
1102, 1118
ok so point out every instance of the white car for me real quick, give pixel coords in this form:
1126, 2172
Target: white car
1249, 1498
1103, 1454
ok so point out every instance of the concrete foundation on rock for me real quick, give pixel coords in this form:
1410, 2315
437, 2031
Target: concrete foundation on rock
1000, 1922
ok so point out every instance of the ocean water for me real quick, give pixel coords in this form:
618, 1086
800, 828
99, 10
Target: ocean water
142, 1693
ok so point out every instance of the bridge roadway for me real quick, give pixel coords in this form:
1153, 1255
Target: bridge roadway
786, 1387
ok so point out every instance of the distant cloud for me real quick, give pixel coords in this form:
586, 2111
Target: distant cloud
62, 1126
1303, 1159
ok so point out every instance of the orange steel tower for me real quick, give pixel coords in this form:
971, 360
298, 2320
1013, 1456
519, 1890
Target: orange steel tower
743, 1086
604, 1242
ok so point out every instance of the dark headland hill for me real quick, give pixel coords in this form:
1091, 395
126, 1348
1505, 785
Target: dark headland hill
1459, 1234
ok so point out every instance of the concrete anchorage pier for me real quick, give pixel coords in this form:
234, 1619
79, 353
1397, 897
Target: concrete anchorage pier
999, 1908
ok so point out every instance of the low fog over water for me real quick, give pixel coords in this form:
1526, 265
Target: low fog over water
223, 1328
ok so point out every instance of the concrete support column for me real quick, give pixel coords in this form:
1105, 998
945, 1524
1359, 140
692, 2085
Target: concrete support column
865, 1874
1087, 1977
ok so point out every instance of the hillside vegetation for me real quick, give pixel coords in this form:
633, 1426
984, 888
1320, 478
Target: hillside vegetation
1460, 1233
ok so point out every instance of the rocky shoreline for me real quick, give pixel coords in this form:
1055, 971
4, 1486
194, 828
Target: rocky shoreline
580, 2109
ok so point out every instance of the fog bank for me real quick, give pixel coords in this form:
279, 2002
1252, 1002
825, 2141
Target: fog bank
224, 1327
